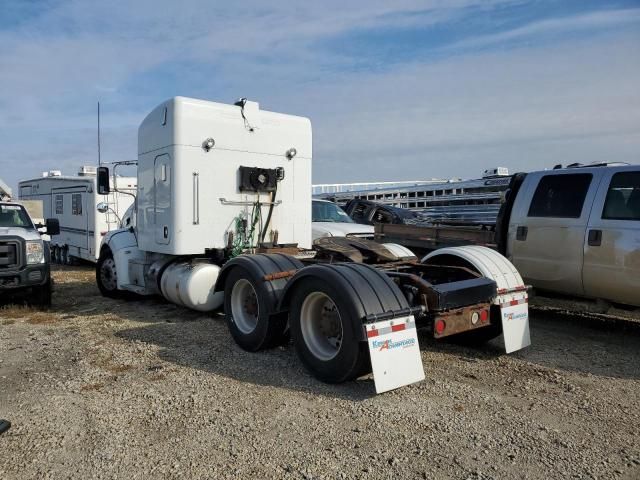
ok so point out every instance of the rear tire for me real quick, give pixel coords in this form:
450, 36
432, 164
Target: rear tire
322, 332
248, 313
107, 276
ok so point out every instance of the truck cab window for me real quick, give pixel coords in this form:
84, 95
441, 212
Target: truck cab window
623, 197
560, 196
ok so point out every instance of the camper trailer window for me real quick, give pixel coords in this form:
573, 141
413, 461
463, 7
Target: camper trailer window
59, 205
76, 204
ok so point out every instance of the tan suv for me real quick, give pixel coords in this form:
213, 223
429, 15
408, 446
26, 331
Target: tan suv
577, 231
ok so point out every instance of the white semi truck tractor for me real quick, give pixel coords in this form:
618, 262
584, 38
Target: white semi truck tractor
223, 221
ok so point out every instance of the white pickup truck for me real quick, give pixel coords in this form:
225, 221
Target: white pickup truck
577, 231
329, 220
573, 230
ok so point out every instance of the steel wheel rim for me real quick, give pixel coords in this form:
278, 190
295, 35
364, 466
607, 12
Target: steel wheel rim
321, 326
244, 306
108, 275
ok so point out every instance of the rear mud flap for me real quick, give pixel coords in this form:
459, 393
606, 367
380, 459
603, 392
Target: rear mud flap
395, 353
515, 324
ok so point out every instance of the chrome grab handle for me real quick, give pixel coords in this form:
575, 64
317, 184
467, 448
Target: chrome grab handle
224, 201
196, 198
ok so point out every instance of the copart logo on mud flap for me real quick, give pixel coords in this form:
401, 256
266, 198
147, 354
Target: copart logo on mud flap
514, 316
390, 345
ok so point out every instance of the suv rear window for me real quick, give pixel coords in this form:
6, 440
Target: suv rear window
560, 196
623, 197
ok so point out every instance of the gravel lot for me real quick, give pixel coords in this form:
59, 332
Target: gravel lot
98, 388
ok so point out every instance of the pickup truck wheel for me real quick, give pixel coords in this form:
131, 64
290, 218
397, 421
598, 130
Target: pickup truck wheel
322, 333
107, 276
42, 295
247, 312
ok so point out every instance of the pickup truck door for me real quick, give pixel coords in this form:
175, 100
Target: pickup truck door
547, 229
612, 243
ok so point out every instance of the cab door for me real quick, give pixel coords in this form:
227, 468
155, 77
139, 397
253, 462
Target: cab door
612, 244
547, 229
162, 199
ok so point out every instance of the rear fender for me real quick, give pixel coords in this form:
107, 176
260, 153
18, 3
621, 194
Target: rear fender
511, 300
373, 292
275, 269
489, 263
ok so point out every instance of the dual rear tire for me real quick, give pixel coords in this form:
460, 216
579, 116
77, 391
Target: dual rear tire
318, 321
323, 335
247, 312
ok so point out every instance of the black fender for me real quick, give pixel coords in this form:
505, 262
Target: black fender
260, 266
372, 291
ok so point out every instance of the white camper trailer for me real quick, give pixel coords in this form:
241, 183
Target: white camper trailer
73, 201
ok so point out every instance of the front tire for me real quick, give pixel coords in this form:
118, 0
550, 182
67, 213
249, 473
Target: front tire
107, 276
322, 333
42, 295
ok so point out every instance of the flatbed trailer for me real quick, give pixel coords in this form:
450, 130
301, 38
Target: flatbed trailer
423, 239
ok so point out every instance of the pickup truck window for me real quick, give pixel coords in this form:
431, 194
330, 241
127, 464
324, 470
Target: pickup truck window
329, 212
14, 216
560, 196
623, 197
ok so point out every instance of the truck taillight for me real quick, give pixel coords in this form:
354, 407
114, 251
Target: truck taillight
484, 316
440, 326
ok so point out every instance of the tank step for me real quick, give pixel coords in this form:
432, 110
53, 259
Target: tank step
136, 289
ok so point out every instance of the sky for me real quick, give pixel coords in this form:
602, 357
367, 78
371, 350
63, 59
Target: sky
401, 90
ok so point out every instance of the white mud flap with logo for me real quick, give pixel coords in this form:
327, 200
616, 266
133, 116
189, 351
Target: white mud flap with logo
514, 314
395, 353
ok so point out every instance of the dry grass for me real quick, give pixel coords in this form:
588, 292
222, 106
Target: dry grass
158, 378
119, 368
104, 361
90, 387
15, 311
38, 318
10, 314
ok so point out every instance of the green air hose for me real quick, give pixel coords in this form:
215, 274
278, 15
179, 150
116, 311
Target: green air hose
243, 240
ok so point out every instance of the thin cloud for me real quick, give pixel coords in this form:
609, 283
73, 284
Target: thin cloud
593, 21
576, 99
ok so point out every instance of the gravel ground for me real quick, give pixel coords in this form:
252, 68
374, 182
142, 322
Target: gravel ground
100, 388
